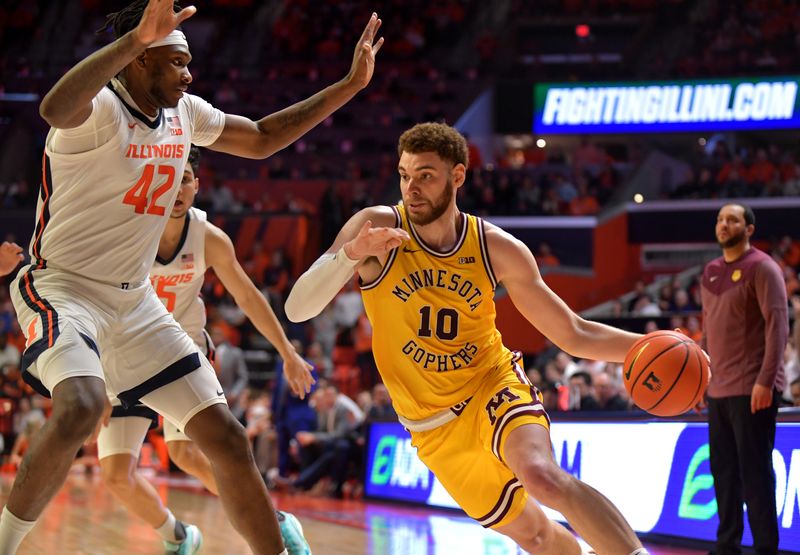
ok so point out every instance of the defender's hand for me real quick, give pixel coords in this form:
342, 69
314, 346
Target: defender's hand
364, 58
159, 20
298, 374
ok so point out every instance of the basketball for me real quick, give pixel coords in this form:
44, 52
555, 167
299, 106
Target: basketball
666, 373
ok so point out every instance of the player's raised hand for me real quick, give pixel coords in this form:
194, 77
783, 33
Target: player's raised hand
364, 58
374, 241
159, 20
298, 374
10, 257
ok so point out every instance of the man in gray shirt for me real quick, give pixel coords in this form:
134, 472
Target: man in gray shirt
745, 328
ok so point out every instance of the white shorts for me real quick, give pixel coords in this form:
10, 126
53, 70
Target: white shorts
72, 323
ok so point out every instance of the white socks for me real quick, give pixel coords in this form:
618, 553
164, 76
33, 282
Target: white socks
167, 530
641, 551
12, 531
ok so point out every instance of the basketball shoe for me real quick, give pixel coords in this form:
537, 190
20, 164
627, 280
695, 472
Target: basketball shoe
292, 534
189, 546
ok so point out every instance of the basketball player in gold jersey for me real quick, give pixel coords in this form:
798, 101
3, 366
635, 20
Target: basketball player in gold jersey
428, 275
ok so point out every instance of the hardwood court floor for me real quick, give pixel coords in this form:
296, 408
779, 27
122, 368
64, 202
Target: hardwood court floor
84, 519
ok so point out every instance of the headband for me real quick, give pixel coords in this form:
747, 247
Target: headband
174, 38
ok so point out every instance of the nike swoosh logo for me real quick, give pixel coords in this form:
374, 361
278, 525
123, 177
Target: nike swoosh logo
406, 249
220, 393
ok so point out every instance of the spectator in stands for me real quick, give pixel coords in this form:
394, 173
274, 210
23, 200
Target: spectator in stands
364, 400
745, 323
693, 329
585, 203
315, 354
665, 295
681, 302
23, 440
25, 413
261, 432
639, 290
565, 366
645, 307
794, 387
9, 354
328, 451
608, 392
582, 393
347, 308
362, 341
381, 409
231, 371
549, 391
276, 278
324, 330
545, 256
290, 413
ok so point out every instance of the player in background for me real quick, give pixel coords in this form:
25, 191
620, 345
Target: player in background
189, 245
121, 125
428, 275
10, 257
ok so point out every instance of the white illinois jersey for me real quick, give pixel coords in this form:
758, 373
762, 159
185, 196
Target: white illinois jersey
178, 279
102, 209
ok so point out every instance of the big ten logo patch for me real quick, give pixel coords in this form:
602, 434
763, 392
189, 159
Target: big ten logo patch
503, 396
466, 260
33, 332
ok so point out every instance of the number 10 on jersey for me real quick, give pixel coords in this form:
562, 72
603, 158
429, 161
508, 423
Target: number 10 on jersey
446, 323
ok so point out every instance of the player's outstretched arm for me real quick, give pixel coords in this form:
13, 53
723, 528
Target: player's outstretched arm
515, 267
260, 139
10, 257
366, 238
69, 102
221, 256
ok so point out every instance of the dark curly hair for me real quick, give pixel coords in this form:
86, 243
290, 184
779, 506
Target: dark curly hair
440, 138
194, 159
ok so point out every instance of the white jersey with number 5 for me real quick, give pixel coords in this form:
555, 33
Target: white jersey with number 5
178, 279
108, 186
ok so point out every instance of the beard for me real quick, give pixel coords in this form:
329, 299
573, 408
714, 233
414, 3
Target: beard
732, 241
438, 206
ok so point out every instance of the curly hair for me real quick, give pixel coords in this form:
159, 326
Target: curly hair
440, 138
126, 20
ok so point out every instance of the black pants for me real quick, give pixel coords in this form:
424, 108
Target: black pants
741, 446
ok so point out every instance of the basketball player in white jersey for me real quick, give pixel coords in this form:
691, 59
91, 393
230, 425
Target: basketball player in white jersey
10, 257
189, 245
121, 126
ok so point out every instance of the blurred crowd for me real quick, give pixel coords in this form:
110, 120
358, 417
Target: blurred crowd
720, 171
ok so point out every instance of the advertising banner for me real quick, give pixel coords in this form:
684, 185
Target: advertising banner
662, 106
656, 473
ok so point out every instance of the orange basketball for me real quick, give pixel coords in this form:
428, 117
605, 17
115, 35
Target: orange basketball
666, 373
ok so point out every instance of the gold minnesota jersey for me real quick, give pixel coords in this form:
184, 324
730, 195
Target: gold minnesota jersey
433, 319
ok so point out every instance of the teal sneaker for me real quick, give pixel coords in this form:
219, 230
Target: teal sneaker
292, 534
189, 546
